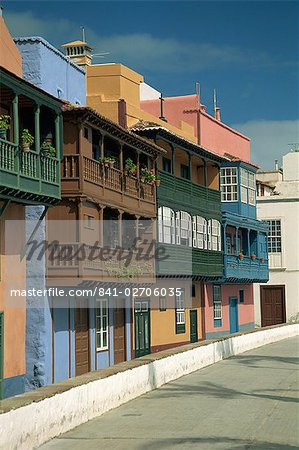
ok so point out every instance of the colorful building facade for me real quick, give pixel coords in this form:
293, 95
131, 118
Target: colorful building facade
28, 177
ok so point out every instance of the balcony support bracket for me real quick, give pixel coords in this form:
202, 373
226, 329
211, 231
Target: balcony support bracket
4, 206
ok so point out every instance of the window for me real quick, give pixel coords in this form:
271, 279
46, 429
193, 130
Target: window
193, 290
241, 296
180, 313
183, 229
217, 306
229, 249
274, 237
229, 184
166, 225
251, 188
199, 225
184, 171
59, 92
162, 303
166, 164
88, 222
86, 134
102, 324
247, 187
214, 232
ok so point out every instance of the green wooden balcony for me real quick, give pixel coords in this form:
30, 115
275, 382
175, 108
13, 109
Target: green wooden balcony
187, 261
28, 177
181, 194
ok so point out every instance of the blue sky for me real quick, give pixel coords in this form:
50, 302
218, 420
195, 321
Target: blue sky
248, 51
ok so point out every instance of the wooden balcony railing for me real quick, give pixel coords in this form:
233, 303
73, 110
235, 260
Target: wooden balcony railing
76, 167
28, 171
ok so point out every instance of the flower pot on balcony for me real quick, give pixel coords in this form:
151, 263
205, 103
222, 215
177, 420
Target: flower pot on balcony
25, 146
158, 183
262, 260
253, 257
241, 256
142, 180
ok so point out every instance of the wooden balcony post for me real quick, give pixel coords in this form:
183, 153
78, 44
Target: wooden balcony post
237, 249
102, 146
190, 165
101, 228
121, 157
37, 128
173, 159
137, 226
15, 109
206, 173
224, 238
120, 214
257, 245
248, 242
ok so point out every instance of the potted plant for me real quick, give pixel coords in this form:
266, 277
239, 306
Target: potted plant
104, 160
27, 140
253, 256
130, 167
111, 161
47, 149
4, 125
143, 171
262, 260
241, 255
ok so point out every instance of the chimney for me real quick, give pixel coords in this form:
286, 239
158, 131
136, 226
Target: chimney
217, 113
122, 113
276, 165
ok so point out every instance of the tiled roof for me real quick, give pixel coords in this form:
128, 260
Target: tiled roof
237, 159
127, 135
144, 126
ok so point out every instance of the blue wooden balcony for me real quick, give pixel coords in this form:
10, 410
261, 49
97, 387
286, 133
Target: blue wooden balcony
245, 270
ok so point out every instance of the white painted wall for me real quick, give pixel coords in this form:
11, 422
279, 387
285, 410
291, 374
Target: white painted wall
55, 415
147, 92
284, 266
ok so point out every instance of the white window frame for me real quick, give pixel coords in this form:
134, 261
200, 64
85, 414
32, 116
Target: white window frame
274, 236
229, 184
244, 185
166, 225
180, 318
102, 304
184, 222
200, 236
214, 235
217, 303
251, 188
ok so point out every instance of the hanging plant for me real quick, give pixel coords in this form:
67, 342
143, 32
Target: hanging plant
48, 150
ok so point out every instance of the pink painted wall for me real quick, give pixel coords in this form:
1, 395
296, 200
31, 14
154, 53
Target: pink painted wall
245, 310
214, 135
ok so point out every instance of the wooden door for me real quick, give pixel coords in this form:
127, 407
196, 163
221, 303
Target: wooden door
142, 328
82, 339
193, 325
233, 315
272, 305
119, 331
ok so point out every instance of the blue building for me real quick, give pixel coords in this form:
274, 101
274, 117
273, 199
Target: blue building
230, 305
47, 68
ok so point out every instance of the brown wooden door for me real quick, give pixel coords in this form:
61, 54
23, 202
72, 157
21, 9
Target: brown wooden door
82, 339
272, 305
119, 332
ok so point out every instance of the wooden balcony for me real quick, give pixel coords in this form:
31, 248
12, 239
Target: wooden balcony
108, 185
245, 270
28, 176
67, 267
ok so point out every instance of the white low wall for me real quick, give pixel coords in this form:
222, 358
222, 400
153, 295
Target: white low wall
29, 426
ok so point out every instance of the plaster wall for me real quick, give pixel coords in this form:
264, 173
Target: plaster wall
57, 414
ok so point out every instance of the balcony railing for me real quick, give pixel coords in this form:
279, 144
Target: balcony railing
247, 269
196, 199
28, 172
77, 168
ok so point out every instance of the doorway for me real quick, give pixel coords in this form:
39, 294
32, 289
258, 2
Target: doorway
233, 315
142, 328
82, 338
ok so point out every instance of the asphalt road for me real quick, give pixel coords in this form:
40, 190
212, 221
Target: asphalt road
245, 402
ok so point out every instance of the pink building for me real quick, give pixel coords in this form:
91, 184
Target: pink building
228, 304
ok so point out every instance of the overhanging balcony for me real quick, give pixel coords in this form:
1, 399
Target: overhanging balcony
89, 177
177, 192
245, 270
27, 176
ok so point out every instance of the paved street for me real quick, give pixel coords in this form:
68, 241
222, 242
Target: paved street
247, 402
